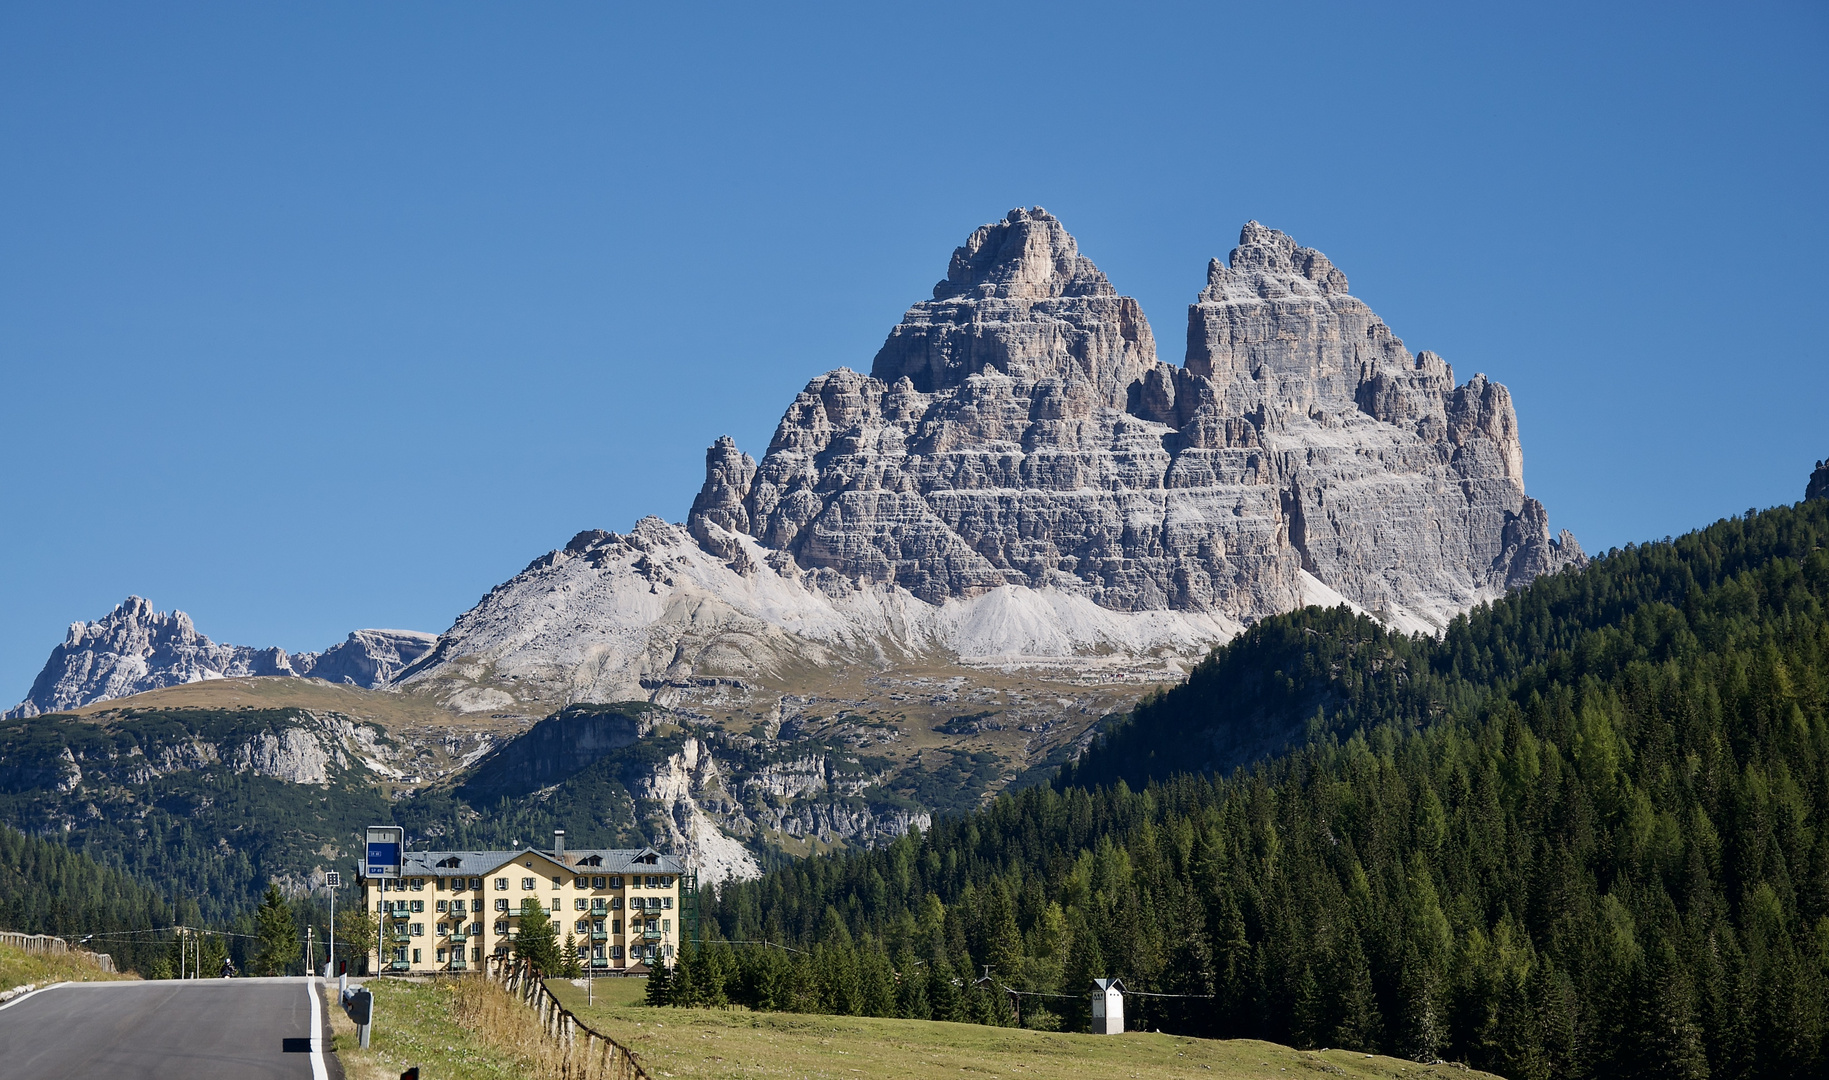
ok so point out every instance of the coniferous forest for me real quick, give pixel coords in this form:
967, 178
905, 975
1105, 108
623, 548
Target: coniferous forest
1578, 835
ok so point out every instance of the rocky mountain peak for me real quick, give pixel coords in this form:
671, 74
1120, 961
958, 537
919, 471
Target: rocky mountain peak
1028, 254
1019, 300
1818, 487
1264, 255
1018, 430
136, 647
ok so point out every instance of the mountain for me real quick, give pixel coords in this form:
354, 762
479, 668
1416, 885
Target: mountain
1818, 487
1577, 835
1020, 479
135, 648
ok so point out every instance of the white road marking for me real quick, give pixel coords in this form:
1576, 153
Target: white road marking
317, 1029
34, 993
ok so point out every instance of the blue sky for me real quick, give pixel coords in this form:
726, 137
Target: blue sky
327, 316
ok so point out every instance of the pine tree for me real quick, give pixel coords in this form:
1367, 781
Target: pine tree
537, 943
660, 984
278, 935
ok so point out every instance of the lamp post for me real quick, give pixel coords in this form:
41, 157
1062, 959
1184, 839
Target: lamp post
332, 882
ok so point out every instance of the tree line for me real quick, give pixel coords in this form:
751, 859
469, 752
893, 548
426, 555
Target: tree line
1578, 835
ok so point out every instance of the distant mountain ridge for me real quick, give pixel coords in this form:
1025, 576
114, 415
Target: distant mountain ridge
136, 648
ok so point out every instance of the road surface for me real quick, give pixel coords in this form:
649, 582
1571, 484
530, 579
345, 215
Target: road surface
201, 1028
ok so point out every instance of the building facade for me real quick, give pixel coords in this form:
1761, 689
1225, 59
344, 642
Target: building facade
451, 909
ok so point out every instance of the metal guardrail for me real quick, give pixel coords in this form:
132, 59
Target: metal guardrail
595, 1056
50, 944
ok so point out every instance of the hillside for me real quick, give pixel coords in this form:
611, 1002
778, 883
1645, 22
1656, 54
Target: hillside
1576, 836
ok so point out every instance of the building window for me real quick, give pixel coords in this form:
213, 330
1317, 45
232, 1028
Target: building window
616, 882
580, 883
556, 903
400, 953
418, 884
616, 952
558, 881
667, 925
441, 956
477, 883
415, 956
597, 952
476, 929
419, 929
666, 901
501, 884
615, 903
615, 926
527, 883
441, 929
501, 929
596, 883
669, 952
457, 884
501, 903
580, 904
419, 905
666, 883
476, 954
438, 884
443, 905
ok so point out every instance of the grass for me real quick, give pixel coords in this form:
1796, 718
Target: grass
18, 968
467, 1029
720, 1044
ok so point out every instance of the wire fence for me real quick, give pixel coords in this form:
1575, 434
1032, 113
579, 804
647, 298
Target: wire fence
589, 1054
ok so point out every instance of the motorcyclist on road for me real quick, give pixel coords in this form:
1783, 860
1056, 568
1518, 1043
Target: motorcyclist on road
228, 968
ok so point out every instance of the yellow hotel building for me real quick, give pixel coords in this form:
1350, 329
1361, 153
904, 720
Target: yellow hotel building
450, 909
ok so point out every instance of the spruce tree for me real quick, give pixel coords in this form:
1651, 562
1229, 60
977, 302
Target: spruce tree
660, 984
537, 943
278, 935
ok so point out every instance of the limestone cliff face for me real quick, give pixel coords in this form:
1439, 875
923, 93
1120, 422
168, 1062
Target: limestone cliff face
1018, 429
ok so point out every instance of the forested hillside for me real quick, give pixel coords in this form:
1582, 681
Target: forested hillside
46, 888
1577, 836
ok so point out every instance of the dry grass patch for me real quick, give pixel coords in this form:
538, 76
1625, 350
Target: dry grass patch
20, 968
462, 1029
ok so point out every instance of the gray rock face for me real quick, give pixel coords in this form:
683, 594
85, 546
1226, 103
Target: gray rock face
135, 648
1018, 429
1818, 487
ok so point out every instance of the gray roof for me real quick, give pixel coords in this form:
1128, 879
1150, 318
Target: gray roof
579, 860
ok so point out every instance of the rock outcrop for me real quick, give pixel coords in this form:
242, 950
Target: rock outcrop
1019, 430
135, 648
1818, 487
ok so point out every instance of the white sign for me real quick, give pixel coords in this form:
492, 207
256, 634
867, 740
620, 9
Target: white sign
333, 880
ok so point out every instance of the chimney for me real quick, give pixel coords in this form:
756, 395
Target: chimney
559, 844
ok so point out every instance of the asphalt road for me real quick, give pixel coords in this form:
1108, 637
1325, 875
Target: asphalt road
201, 1028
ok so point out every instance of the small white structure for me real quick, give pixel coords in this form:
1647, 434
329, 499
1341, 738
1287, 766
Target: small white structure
1108, 1006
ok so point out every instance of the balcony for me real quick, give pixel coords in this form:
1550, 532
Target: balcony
458, 936
459, 965
650, 935
600, 962
400, 936
600, 935
400, 965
